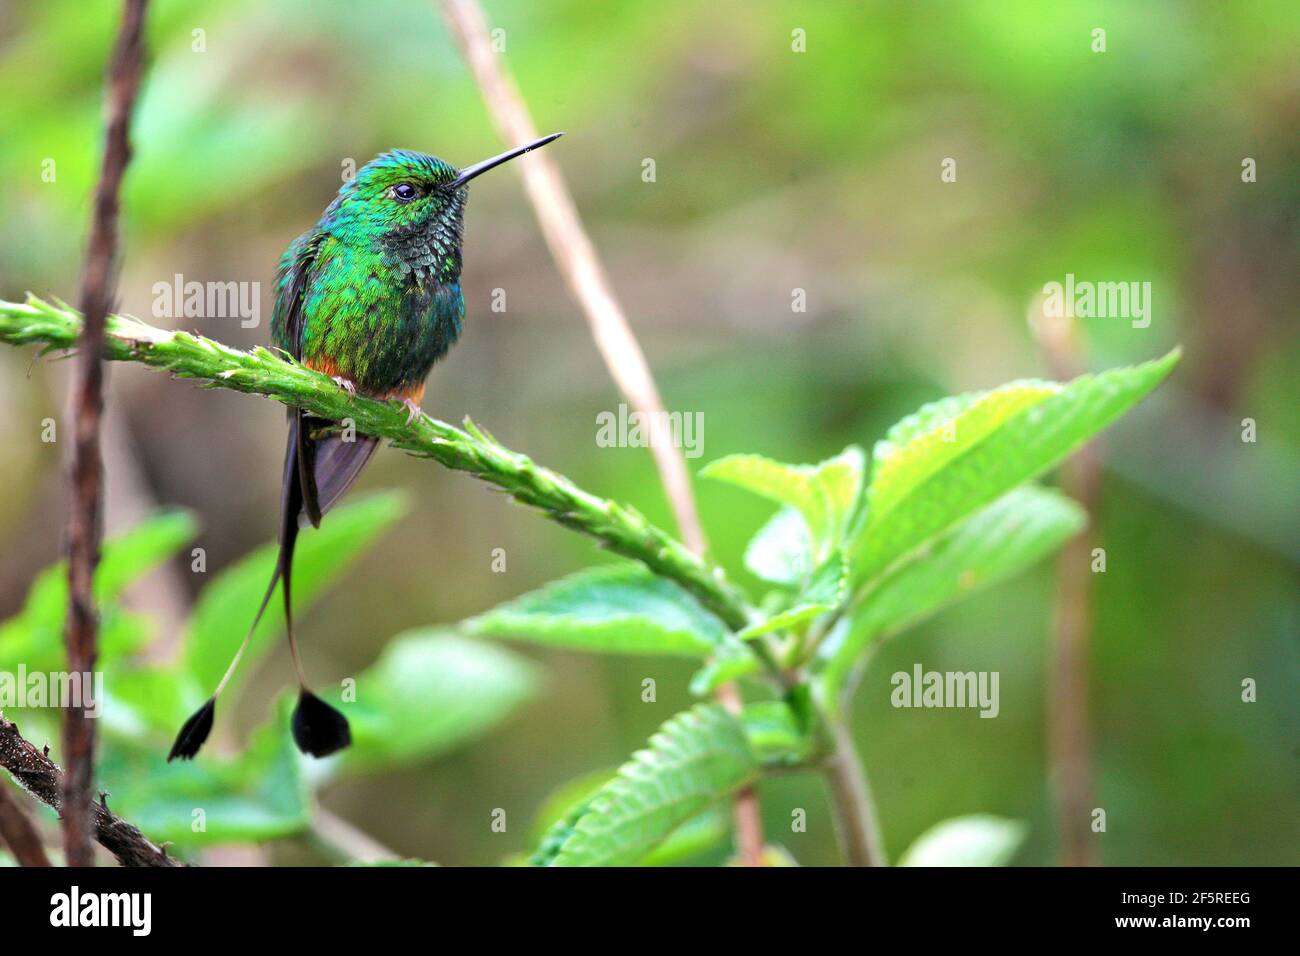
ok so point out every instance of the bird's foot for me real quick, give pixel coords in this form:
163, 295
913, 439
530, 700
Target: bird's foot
345, 384
413, 409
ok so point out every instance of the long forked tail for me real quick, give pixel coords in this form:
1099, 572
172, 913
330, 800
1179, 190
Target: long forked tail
316, 473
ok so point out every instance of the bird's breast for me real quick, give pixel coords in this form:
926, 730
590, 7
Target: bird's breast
384, 329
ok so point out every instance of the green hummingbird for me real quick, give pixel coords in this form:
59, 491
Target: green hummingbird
370, 296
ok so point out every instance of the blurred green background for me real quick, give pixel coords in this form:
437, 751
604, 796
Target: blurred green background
775, 170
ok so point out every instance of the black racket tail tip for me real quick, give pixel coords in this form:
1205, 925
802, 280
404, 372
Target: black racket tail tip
318, 728
194, 732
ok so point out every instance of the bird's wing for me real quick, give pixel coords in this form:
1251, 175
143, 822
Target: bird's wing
326, 466
287, 321
291, 282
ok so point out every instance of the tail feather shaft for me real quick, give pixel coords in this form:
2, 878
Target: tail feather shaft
316, 474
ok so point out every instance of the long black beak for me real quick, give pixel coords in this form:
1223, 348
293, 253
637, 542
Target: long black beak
469, 172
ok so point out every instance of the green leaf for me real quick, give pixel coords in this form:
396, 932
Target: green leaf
34, 637
775, 732
945, 463
1003, 539
824, 494
121, 633
226, 607
429, 692
924, 443
697, 835
619, 609
149, 703
696, 758
782, 550
733, 661
978, 840
566, 800
700, 834
259, 796
827, 591
136, 552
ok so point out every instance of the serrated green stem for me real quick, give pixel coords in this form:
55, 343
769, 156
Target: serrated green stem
619, 527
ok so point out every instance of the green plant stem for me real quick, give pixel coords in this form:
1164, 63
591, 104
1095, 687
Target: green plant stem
616, 526
855, 812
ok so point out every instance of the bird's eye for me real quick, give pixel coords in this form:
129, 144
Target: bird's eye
405, 192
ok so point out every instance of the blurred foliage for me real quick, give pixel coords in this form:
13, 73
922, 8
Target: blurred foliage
431, 691
263, 793
774, 171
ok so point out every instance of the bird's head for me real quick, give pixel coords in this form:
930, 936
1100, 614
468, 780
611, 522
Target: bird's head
413, 205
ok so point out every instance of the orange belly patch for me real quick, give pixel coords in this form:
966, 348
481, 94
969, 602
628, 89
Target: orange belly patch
329, 367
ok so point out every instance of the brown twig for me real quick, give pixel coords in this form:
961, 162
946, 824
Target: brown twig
861, 842
1070, 738
84, 517
574, 253
19, 832
40, 776
578, 261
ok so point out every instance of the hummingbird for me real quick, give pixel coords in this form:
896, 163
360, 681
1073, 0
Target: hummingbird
370, 296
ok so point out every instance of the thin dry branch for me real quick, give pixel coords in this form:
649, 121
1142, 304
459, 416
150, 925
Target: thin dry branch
86, 479
581, 267
1069, 733
40, 776
576, 257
